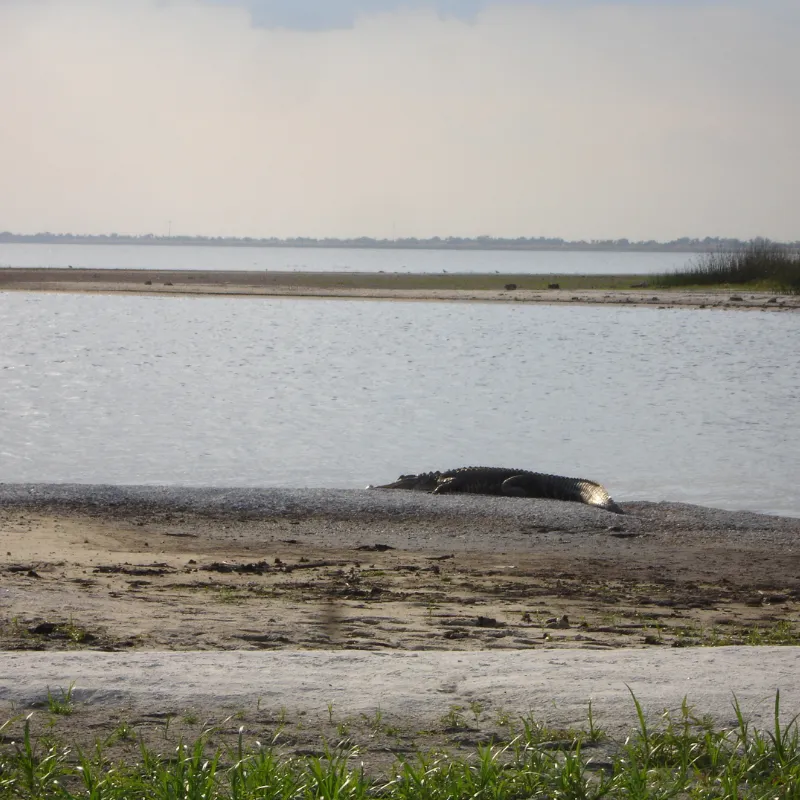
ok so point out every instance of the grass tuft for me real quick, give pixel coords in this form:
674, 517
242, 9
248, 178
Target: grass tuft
62, 704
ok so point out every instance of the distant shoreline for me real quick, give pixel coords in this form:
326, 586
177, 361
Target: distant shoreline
621, 290
479, 244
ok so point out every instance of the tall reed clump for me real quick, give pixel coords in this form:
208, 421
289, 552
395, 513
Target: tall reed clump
760, 262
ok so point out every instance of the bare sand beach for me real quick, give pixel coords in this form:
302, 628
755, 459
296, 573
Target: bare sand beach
379, 286
500, 589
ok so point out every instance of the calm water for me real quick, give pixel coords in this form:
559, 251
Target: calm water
697, 406
337, 260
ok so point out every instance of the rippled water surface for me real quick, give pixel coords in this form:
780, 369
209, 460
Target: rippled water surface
697, 406
320, 259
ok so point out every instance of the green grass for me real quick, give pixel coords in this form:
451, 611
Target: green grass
61, 704
758, 265
460, 281
184, 279
682, 757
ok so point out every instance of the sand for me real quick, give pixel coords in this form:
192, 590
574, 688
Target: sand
368, 286
373, 570
402, 601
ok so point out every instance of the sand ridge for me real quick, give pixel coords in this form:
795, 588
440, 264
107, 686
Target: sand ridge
365, 286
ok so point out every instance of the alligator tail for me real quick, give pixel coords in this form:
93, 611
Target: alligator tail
555, 487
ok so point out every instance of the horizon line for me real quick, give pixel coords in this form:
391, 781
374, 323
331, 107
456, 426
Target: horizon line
483, 241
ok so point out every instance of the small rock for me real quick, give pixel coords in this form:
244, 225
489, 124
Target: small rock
555, 622
148, 283
489, 622
735, 298
43, 629
553, 286
510, 287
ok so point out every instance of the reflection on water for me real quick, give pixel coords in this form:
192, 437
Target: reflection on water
320, 259
698, 406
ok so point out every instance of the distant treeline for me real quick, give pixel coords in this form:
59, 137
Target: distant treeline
683, 245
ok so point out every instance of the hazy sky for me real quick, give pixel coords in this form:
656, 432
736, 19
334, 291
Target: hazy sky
575, 118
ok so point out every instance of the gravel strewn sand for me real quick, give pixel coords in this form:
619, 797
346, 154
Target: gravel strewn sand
118, 567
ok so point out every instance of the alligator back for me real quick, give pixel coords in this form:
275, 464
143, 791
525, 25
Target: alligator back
475, 480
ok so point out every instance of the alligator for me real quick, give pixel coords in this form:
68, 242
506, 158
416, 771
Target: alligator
509, 482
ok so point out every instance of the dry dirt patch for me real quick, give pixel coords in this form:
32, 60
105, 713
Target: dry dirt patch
157, 580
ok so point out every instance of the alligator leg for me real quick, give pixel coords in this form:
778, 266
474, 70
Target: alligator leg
538, 485
518, 486
471, 482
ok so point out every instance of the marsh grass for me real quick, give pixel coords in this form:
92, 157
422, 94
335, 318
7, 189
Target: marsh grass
759, 264
682, 756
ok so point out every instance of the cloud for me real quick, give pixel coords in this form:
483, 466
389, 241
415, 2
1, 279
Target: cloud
332, 14
575, 120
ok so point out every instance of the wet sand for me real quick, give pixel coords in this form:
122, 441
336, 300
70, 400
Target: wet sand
451, 288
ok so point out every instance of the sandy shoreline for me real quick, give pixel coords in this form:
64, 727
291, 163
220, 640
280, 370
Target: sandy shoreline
117, 568
322, 611
368, 286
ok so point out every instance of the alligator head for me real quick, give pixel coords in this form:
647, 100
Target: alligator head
424, 482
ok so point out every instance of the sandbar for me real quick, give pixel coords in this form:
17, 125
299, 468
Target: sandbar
381, 286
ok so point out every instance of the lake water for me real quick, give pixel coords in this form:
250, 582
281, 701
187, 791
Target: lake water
318, 259
686, 405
